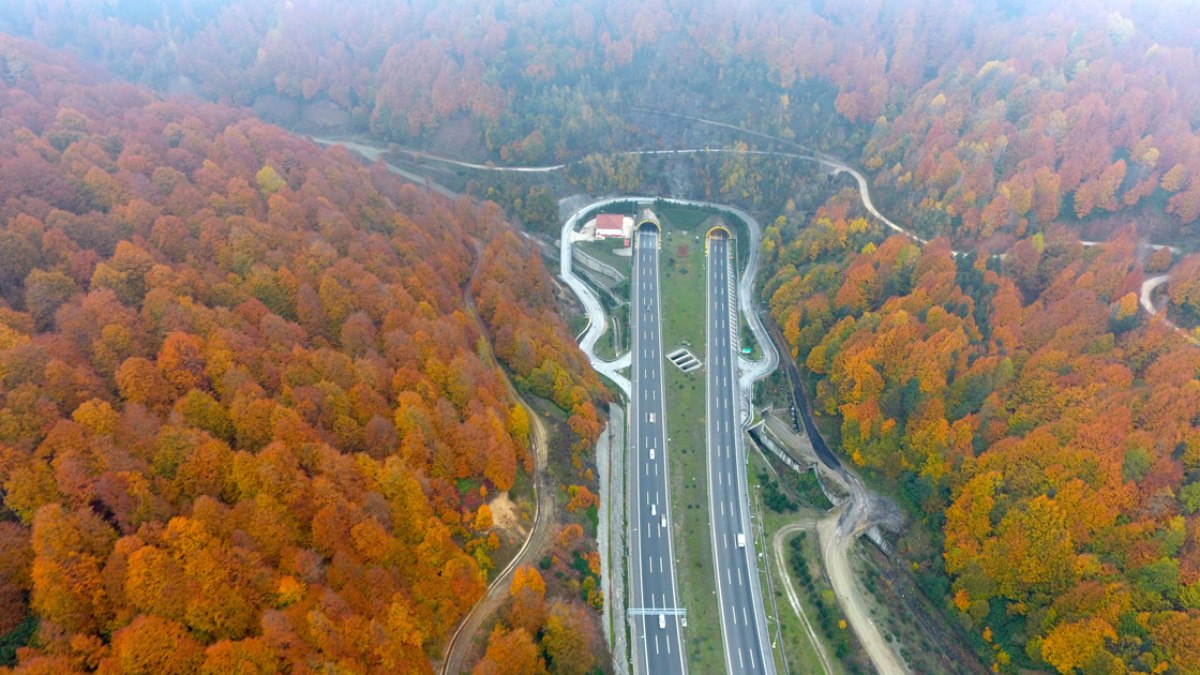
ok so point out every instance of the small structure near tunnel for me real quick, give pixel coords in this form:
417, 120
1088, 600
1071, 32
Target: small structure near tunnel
613, 226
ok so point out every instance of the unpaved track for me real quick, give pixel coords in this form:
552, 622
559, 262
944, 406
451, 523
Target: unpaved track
462, 643
834, 544
835, 554
1147, 301
777, 543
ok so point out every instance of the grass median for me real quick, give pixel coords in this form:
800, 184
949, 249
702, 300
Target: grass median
683, 303
683, 287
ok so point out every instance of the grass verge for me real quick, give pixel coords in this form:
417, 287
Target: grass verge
798, 648
605, 252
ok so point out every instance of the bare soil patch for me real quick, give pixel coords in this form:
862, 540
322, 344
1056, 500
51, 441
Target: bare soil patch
506, 516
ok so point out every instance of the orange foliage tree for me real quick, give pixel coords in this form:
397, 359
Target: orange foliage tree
1010, 403
244, 417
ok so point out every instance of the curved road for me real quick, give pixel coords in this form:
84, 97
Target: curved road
864, 192
750, 371
374, 153
834, 163
543, 513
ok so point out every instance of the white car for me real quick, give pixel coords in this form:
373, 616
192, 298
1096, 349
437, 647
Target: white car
741, 540
662, 620
654, 510
651, 453
664, 520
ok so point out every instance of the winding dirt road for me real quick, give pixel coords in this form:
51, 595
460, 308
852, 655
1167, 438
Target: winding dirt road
1146, 298
461, 643
835, 558
835, 554
777, 544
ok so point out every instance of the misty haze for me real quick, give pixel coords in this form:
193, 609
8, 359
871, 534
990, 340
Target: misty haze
541, 337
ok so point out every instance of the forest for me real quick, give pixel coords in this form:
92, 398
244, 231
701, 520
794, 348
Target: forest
983, 120
1038, 428
246, 421
210, 331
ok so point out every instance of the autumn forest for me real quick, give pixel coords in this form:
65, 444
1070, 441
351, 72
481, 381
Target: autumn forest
259, 398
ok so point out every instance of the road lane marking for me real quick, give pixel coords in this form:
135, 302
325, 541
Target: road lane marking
745, 616
741, 661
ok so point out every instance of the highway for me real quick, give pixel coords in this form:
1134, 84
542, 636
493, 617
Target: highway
743, 620
658, 643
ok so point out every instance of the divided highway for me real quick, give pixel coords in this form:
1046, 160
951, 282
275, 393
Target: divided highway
653, 602
743, 622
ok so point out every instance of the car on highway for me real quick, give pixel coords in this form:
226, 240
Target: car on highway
650, 417
662, 620
664, 520
651, 453
741, 540
654, 510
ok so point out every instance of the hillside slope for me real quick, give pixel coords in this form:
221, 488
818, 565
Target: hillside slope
244, 418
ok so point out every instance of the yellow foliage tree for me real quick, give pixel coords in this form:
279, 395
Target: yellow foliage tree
1069, 646
483, 518
269, 180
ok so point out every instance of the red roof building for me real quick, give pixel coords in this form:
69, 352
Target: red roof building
610, 225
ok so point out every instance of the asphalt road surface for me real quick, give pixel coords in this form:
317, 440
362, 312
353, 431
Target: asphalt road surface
743, 622
654, 599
